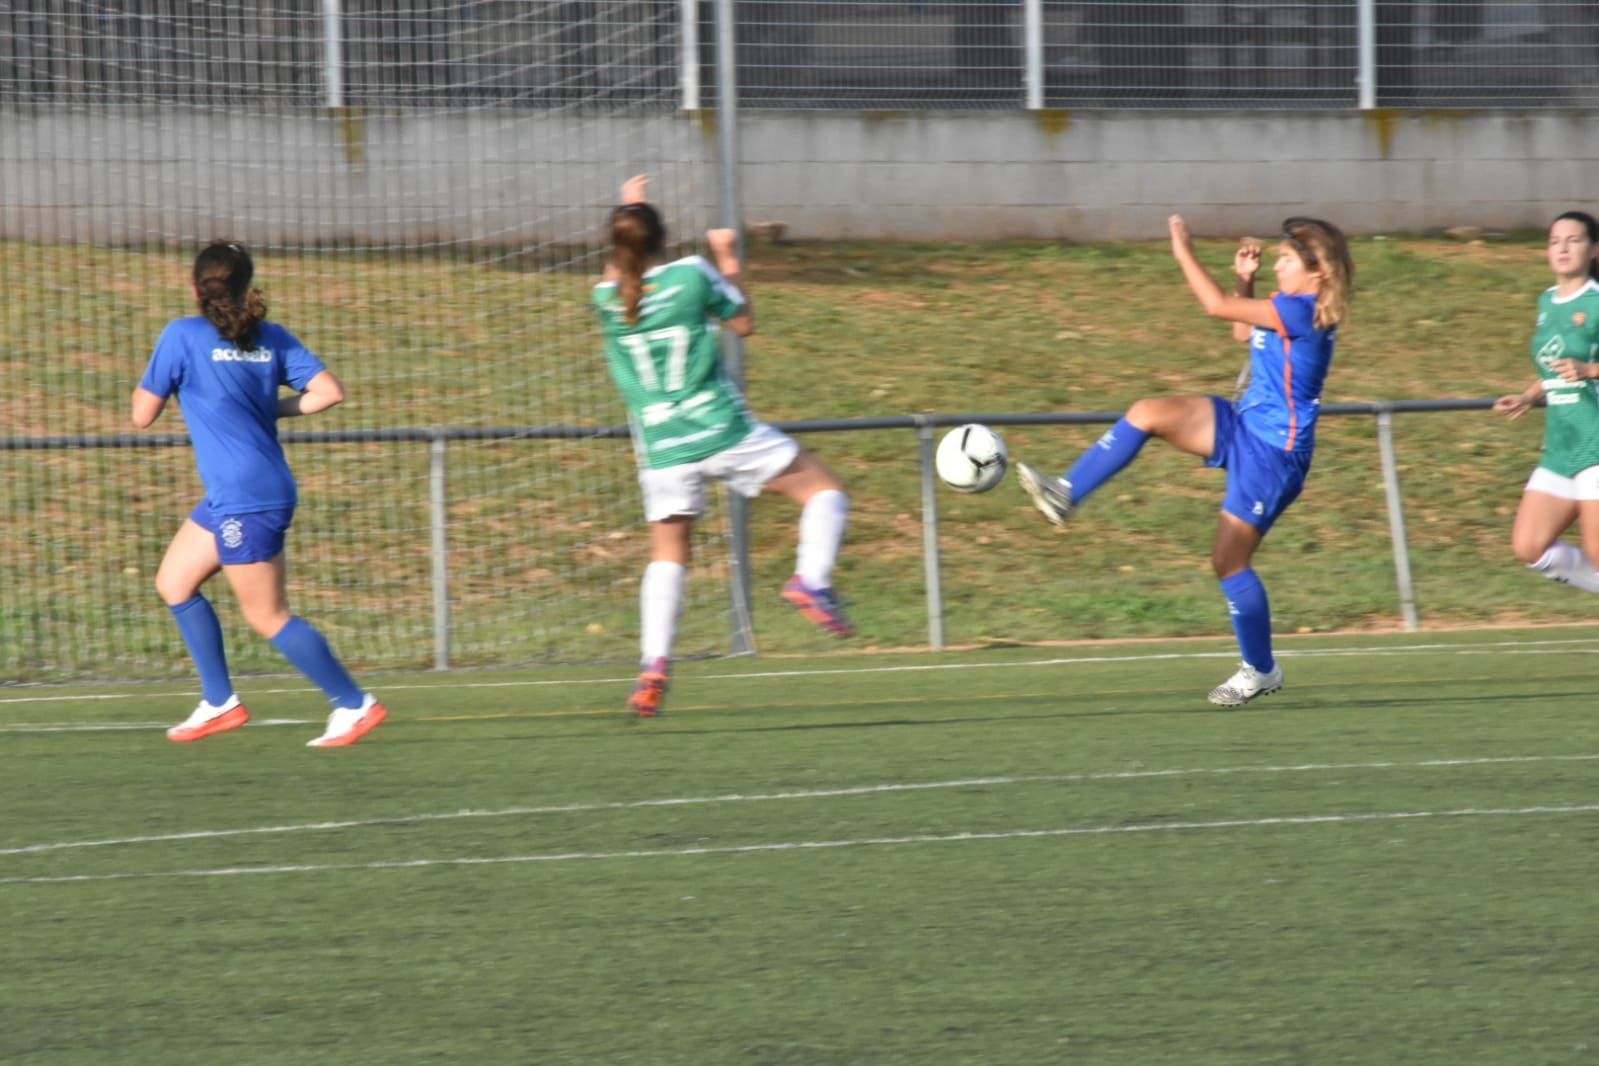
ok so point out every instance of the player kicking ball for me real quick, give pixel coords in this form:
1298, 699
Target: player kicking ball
1264, 440
662, 318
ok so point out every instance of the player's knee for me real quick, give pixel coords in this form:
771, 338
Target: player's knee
1145, 414
1527, 552
174, 590
268, 622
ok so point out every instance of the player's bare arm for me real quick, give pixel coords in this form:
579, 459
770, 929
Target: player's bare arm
146, 408
723, 244
1216, 302
1246, 264
321, 392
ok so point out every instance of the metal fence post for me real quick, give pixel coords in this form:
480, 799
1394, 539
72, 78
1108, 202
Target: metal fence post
688, 73
742, 639
333, 52
439, 524
1033, 51
925, 432
1396, 521
1366, 53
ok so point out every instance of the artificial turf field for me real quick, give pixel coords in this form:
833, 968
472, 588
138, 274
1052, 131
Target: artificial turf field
1001, 856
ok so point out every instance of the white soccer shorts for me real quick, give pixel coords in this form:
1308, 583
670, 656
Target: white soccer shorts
746, 467
1585, 486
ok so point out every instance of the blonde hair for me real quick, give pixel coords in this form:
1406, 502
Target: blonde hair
1324, 248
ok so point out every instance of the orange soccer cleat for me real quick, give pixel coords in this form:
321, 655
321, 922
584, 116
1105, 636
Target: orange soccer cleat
645, 702
208, 720
346, 725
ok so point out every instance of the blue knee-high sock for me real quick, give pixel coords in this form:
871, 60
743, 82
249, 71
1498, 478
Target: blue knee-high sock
303, 646
197, 621
1246, 601
1118, 447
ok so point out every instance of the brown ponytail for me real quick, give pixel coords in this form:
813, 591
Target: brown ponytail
222, 274
637, 236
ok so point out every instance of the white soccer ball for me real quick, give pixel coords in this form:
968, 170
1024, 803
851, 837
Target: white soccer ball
972, 458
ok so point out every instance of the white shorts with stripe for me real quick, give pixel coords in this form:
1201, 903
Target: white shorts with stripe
746, 467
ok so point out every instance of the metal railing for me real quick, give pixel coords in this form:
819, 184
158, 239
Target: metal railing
918, 54
925, 426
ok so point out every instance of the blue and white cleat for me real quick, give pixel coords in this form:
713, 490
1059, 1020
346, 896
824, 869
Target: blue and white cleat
1051, 495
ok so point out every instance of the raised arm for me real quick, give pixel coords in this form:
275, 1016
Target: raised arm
1216, 302
724, 252
1246, 264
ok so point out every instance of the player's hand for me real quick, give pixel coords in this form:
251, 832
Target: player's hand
1180, 237
1246, 261
1514, 406
723, 243
635, 190
1571, 369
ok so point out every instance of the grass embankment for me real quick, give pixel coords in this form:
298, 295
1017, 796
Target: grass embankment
546, 540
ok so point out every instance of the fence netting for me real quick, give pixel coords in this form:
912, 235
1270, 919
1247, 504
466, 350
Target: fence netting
857, 54
440, 263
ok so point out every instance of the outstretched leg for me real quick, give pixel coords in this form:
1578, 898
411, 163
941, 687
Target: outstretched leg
824, 516
1186, 422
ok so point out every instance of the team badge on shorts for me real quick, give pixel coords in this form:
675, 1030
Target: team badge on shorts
232, 531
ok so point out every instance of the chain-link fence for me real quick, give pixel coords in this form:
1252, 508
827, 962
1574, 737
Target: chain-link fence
891, 55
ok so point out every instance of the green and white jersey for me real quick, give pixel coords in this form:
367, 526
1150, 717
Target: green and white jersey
1568, 328
680, 402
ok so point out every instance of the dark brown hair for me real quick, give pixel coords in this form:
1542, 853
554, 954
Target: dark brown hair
222, 274
637, 236
1589, 224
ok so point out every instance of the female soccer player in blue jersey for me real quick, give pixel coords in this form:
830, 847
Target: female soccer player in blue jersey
226, 366
1565, 354
1264, 441
691, 425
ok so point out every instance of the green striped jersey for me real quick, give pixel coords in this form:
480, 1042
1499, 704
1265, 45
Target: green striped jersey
680, 402
1568, 328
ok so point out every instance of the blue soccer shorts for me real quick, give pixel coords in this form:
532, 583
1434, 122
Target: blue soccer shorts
253, 537
1262, 478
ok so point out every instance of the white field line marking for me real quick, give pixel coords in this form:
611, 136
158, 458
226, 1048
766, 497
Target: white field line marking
817, 845
820, 793
1505, 646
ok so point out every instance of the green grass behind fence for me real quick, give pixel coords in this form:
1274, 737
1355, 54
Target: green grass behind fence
546, 538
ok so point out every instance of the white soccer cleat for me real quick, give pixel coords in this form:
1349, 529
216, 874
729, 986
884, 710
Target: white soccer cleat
210, 719
1245, 685
346, 725
1051, 495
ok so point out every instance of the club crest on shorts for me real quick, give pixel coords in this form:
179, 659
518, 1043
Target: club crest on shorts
232, 532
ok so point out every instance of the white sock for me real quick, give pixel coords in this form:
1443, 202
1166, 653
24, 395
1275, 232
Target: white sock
822, 524
1567, 564
659, 598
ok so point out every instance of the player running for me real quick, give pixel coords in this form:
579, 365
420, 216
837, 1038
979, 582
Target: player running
226, 366
690, 424
1565, 344
1264, 440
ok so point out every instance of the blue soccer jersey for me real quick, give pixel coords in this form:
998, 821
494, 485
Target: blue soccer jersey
230, 404
1287, 368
